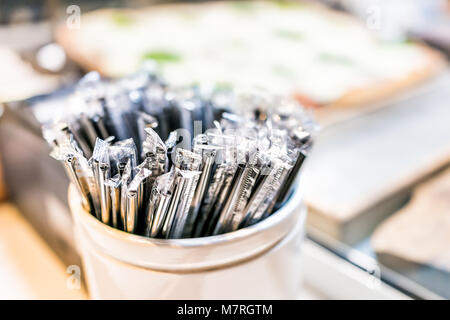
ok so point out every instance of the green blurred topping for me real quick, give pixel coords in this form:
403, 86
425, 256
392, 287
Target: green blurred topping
121, 19
332, 58
223, 86
408, 41
289, 34
245, 6
282, 70
189, 16
288, 4
162, 56
404, 42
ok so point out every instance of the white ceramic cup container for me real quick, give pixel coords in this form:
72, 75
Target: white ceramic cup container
258, 262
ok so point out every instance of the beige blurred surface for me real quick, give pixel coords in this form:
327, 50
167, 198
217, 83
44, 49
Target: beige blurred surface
420, 232
18, 80
28, 267
30, 270
2, 184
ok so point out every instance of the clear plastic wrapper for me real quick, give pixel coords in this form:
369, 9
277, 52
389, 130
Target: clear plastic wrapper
155, 149
215, 198
233, 211
179, 162
208, 153
100, 165
266, 192
125, 177
158, 206
114, 185
134, 198
120, 152
187, 160
299, 146
171, 144
185, 184
77, 168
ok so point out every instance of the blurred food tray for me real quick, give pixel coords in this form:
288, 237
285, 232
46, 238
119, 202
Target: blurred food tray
322, 56
330, 115
360, 171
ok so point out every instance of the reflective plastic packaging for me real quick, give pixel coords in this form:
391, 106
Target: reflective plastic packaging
231, 171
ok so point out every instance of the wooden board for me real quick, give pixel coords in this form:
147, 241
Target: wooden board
363, 170
29, 269
419, 233
2, 184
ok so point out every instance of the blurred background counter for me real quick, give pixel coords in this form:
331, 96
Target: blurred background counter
375, 182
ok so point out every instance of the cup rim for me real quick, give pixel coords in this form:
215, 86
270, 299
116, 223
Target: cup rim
274, 219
